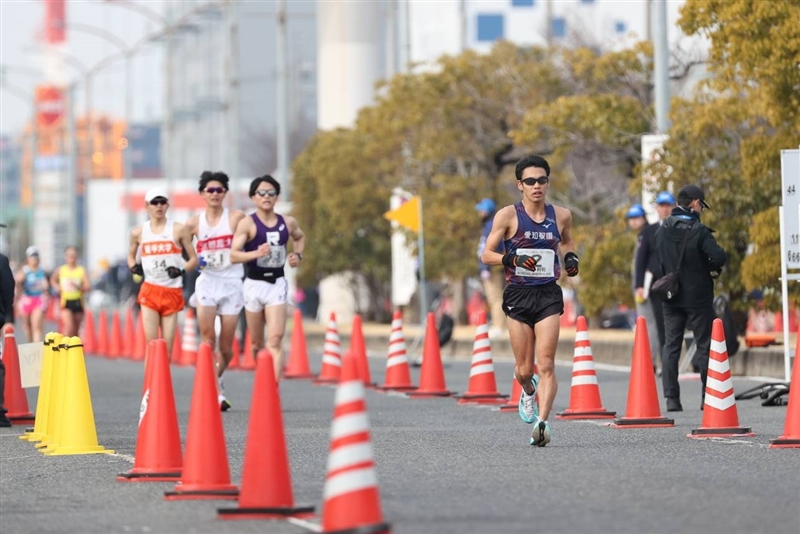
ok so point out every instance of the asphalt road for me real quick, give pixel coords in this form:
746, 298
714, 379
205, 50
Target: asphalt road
442, 468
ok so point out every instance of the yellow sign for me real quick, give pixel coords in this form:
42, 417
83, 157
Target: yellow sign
406, 215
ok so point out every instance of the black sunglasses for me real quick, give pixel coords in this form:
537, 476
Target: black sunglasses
158, 202
267, 193
541, 180
212, 190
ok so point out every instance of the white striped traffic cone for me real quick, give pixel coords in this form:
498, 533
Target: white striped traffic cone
482, 387
584, 397
331, 355
398, 374
351, 501
720, 417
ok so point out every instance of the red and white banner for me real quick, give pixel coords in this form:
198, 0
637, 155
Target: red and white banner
49, 105
55, 21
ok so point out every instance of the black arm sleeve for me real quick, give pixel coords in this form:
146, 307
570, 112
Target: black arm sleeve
717, 258
643, 255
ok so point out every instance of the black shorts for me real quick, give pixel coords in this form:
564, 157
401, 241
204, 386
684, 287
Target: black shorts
531, 304
75, 306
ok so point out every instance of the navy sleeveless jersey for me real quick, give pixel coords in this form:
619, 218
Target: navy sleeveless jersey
270, 267
537, 239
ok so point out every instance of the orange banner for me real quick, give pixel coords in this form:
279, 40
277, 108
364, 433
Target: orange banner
49, 106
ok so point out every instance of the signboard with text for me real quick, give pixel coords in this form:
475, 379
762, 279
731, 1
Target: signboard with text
790, 184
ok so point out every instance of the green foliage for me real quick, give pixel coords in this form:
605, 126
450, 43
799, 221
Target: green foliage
605, 266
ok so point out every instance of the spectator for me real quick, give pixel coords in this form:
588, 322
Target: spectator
7, 284
637, 222
687, 247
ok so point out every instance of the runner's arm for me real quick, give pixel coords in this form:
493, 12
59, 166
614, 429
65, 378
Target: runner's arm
133, 246
499, 227
299, 244
243, 232
185, 240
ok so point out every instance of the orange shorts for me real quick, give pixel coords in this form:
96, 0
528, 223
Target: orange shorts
164, 300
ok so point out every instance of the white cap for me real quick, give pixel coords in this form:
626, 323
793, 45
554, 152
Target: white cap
31, 251
155, 192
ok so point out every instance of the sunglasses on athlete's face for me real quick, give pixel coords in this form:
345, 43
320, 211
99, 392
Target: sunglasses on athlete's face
543, 180
267, 193
212, 190
159, 201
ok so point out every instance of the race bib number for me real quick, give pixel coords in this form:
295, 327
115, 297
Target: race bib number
545, 263
156, 268
275, 259
216, 259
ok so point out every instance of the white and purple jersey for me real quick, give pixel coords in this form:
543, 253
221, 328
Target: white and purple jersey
270, 267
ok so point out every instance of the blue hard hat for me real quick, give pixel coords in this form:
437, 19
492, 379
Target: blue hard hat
634, 211
486, 204
665, 197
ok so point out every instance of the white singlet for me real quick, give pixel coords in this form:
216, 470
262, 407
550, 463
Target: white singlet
214, 248
159, 251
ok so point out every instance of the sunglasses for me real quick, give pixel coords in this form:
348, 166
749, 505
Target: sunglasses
158, 202
267, 193
531, 181
212, 190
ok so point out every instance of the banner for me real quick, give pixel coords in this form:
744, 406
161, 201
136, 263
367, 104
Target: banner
55, 21
30, 363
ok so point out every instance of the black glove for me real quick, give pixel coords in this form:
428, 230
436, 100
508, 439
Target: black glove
174, 272
513, 261
137, 269
571, 263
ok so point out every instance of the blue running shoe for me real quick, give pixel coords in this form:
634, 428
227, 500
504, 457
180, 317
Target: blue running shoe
529, 404
541, 434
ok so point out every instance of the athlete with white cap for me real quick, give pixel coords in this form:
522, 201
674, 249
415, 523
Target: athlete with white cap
160, 243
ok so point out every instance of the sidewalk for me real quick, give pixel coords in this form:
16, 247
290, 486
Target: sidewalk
608, 346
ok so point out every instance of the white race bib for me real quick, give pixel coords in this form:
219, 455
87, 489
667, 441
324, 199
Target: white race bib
545, 263
216, 260
155, 268
275, 259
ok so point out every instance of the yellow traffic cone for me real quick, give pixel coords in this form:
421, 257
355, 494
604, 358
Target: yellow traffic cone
78, 434
57, 368
43, 400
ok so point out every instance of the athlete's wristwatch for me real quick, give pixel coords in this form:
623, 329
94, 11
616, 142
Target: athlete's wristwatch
299, 255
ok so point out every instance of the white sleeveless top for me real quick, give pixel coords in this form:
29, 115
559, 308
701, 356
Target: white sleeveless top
159, 251
214, 247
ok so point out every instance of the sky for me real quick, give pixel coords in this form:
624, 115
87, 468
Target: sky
20, 53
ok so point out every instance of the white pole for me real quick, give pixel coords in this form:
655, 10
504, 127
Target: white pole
127, 175
785, 300
423, 296
282, 113
661, 65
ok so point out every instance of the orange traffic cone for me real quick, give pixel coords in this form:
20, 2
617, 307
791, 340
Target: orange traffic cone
177, 347
115, 342
642, 410
351, 500
431, 377
398, 374
791, 432
482, 387
15, 398
189, 342
158, 442
102, 333
359, 349
584, 396
720, 417
248, 362
206, 474
89, 339
266, 478
140, 347
513, 401
298, 354
331, 355
129, 335
237, 354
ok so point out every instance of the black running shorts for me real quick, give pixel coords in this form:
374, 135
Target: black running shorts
75, 306
531, 304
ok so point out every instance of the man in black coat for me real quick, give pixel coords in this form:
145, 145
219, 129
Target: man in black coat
7, 286
694, 304
646, 260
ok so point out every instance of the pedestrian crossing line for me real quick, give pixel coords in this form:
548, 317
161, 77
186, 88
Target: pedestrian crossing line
313, 527
733, 441
126, 457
